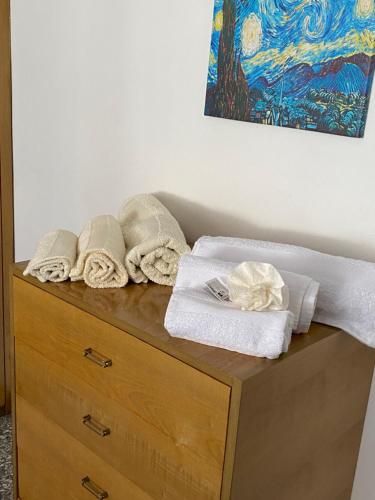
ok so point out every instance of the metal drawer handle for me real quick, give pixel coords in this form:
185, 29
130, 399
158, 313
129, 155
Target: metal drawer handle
97, 358
96, 426
94, 488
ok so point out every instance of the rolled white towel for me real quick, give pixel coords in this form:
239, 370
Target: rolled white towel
154, 240
195, 315
303, 291
346, 296
54, 257
101, 254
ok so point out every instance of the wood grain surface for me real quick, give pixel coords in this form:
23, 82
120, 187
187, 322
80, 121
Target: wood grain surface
171, 419
301, 423
187, 420
52, 464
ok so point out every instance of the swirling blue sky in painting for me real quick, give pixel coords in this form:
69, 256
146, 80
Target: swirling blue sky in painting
297, 31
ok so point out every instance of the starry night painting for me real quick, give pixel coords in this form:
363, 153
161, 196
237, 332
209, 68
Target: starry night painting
306, 64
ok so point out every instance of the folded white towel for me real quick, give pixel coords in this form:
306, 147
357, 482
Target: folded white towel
347, 286
303, 291
195, 315
101, 254
54, 258
153, 238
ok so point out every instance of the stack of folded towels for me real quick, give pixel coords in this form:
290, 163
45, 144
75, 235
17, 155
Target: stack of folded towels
346, 296
336, 291
144, 243
258, 319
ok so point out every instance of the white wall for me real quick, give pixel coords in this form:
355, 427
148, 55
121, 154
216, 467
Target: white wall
108, 102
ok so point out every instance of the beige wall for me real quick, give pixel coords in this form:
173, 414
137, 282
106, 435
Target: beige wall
108, 101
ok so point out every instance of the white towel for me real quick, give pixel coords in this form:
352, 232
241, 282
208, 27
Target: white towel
101, 254
54, 257
153, 238
303, 291
347, 286
195, 315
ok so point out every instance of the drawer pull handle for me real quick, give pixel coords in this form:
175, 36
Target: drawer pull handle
94, 489
95, 426
97, 358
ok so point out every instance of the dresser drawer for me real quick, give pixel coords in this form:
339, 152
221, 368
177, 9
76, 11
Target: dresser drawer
131, 444
52, 464
168, 420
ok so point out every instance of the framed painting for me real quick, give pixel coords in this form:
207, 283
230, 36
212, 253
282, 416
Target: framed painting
305, 64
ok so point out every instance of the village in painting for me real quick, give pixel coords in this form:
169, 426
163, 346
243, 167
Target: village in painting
293, 63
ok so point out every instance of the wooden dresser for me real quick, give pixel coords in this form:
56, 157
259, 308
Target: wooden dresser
108, 405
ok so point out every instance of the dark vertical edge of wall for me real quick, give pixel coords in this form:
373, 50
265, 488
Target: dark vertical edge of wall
6, 165
2, 340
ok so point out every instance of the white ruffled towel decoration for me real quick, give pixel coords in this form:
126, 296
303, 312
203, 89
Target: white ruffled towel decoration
275, 290
101, 254
54, 257
153, 238
195, 315
257, 286
346, 298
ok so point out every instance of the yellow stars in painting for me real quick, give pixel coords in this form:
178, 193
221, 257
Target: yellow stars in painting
364, 41
251, 36
218, 21
305, 52
365, 8
213, 59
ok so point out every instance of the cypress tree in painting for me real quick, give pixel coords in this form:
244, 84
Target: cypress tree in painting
230, 97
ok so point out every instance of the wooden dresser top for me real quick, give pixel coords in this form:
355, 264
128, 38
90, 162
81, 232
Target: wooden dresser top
140, 310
